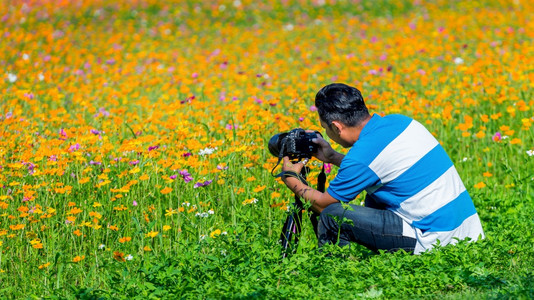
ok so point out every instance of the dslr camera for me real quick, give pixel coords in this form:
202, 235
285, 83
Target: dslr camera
295, 144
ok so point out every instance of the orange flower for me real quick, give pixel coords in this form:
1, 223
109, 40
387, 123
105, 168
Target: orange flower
480, 185
125, 239
515, 141
78, 258
119, 256
166, 190
259, 188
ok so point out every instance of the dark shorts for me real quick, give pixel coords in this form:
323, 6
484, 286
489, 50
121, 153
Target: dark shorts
372, 226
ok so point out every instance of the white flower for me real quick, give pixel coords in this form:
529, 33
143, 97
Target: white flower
211, 212
458, 61
40, 77
465, 159
530, 152
289, 27
25, 56
129, 257
202, 236
101, 246
11, 77
207, 151
223, 252
202, 215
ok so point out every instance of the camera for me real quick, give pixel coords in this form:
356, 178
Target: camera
295, 144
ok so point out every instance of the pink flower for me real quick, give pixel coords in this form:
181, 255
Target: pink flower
496, 137
134, 203
327, 168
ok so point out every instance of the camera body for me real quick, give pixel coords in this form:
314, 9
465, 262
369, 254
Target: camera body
295, 144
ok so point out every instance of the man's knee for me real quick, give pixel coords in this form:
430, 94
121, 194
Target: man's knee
330, 211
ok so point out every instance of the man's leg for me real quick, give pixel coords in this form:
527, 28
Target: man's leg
376, 229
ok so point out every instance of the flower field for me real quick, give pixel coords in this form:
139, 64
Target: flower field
133, 142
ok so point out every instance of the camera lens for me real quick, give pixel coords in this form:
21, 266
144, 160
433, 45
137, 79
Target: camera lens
274, 145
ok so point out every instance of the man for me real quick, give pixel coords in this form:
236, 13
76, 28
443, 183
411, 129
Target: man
415, 196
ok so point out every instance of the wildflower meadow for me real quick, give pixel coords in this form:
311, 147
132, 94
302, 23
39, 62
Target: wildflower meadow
133, 143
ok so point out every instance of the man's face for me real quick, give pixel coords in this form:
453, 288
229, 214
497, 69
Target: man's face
330, 132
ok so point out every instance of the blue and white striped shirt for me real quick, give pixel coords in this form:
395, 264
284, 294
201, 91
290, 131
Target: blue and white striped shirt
400, 163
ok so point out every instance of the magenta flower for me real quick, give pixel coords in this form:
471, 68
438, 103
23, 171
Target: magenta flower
63, 134
173, 176
134, 203
95, 132
152, 148
221, 167
134, 162
102, 112
186, 176
74, 147
201, 184
327, 168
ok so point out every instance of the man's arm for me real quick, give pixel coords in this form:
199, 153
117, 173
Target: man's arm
326, 154
318, 200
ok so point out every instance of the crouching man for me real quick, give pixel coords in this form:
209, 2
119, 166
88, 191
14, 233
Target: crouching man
415, 196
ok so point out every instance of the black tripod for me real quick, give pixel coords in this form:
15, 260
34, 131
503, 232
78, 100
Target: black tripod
293, 224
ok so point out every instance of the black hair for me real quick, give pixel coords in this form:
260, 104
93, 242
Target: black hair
340, 102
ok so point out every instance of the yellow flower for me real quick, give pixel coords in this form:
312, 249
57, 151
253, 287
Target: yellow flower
487, 174
275, 195
152, 234
166, 227
215, 233
43, 266
170, 212
146, 248
480, 134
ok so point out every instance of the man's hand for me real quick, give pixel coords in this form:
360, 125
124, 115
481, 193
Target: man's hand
289, 166
325, 153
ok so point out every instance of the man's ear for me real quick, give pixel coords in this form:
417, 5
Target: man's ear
337, 126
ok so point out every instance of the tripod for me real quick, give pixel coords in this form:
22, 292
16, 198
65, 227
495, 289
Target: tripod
293, 225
